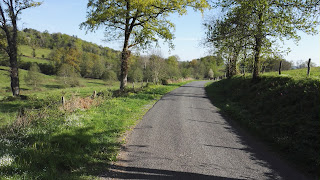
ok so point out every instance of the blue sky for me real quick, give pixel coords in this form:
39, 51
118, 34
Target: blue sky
65, 16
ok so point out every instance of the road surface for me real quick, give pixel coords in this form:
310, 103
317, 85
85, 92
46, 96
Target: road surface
185, 137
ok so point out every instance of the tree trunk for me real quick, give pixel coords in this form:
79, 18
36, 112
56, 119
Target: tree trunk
14, 74
124, 68
280, 66
257, 49
256, 65
233, 63
13, 56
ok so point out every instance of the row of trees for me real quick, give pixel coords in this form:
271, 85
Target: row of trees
92, 61
137, 23
157, 69
248, 32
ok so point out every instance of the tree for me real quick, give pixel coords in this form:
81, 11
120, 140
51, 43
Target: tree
229, 37
157, 68
68, 76
268, 20
33, 76
9, 11
210, 74
137, 23
172, 67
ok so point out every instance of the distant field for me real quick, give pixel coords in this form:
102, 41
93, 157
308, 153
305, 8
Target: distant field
50, 84
27, 51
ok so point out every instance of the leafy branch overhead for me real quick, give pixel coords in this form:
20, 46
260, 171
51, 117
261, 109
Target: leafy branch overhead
143, 21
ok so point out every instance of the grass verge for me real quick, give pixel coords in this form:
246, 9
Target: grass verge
49, 141
282, 110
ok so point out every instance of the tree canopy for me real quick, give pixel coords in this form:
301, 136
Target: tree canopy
137, 23
257, 24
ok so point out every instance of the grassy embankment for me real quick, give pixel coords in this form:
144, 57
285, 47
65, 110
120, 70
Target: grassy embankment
42, 139
282, 110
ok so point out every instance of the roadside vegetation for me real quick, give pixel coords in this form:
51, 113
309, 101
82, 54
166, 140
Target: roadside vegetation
41, 138
282, 110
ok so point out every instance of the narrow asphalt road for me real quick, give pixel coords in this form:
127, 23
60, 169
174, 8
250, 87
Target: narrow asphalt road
185, 137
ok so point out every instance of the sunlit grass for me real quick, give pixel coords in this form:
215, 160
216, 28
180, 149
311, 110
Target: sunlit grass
49, 142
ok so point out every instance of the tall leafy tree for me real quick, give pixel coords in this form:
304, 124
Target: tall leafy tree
9, 11
268, 20
138, 23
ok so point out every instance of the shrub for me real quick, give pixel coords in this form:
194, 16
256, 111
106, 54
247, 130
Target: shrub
109, 75
67, 76
33, 77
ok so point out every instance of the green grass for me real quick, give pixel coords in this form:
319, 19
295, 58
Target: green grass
299, 73
34, 60
49, 142
282, 110
27, 51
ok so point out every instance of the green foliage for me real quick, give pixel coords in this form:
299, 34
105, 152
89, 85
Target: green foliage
251, 28
210, 74
68, 76
51, 143
136, 23
283, 110
33, 77
109, 75
146, 21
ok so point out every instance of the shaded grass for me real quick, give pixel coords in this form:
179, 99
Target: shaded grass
282, 110
58, 144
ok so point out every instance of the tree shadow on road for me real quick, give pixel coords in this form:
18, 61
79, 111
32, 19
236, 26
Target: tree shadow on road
121, 172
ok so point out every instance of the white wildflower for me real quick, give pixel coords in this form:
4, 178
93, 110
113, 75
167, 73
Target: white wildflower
6, 160
74, 120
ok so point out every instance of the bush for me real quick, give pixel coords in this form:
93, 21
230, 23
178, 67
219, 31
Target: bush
48, 69
109, 75
33, 77
164, 82
67, 76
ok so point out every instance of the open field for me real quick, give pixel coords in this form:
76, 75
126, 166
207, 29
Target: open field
40, 52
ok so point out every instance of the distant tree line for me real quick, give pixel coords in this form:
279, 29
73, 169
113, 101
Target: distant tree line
72, 57
154, 68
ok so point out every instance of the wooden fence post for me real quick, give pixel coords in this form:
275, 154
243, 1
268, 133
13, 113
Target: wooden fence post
309, 62
280, 66
94, 94
63, 100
